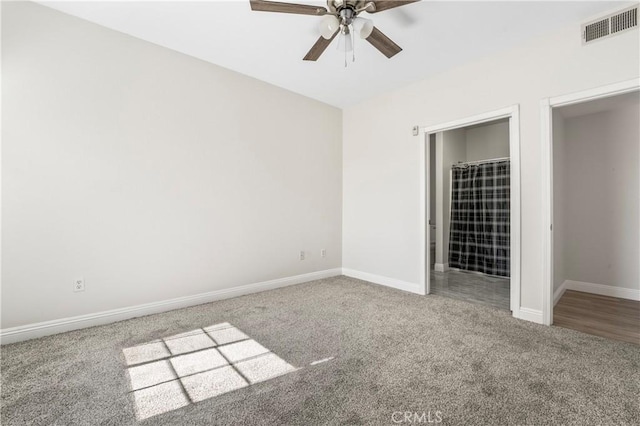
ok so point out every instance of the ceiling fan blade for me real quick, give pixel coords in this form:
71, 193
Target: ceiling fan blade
276, 6
382, 5
318, 48
383, 43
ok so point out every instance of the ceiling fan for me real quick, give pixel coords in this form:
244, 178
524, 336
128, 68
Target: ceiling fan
340, 17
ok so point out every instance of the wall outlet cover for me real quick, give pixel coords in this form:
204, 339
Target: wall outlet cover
78, 284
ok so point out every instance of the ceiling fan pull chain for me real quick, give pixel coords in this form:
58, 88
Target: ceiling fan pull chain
345, 58
353, 43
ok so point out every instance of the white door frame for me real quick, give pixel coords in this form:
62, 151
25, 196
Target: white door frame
513, 114
546, 132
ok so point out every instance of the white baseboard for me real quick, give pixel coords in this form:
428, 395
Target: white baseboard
386, 281
32, 331
529, 315
441, 267
603, 290
559, 292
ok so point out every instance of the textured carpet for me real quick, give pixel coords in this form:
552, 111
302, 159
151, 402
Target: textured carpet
393, 352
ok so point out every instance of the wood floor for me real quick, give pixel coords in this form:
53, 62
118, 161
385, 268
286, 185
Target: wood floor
603, 316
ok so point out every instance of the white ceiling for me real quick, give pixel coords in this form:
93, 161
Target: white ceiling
435, 36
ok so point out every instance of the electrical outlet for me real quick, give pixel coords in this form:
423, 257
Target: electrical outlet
78, 285
301, 255
323, 253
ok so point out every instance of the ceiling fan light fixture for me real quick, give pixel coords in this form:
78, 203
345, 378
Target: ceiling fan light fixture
363, 26
328, 26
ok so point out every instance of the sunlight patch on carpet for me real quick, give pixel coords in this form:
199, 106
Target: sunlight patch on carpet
320, 361
170, 373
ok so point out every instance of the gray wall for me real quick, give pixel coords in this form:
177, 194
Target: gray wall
451, 147
559, 200
601, 193
488, 141
151, 174
433, 185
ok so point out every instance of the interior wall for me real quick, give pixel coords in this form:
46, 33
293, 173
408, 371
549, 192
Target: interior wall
433, 188
452, 148
381, 181
559, 200
602, 197
488, 141
151, 174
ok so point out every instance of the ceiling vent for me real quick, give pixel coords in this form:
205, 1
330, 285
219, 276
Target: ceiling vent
610, 25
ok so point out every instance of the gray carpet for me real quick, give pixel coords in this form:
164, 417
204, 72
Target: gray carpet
393, 352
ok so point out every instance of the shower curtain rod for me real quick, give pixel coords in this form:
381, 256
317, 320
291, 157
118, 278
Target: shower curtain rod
469, 163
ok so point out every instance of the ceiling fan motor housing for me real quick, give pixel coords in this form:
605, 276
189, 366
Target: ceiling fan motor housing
336, 6
346, 16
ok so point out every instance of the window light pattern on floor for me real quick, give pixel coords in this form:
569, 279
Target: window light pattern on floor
173, 372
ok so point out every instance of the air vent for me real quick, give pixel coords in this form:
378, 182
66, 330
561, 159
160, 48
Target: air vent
610, 25
596, 30
624, 21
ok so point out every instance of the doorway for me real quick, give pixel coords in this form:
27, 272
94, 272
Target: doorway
591, 150
469, 199
463, 258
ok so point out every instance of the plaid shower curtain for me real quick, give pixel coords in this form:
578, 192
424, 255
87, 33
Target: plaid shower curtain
480, 227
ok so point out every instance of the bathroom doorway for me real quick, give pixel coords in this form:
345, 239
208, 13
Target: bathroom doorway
472, 210
470, 201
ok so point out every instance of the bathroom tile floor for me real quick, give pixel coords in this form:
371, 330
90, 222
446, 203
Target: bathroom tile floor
475, 288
